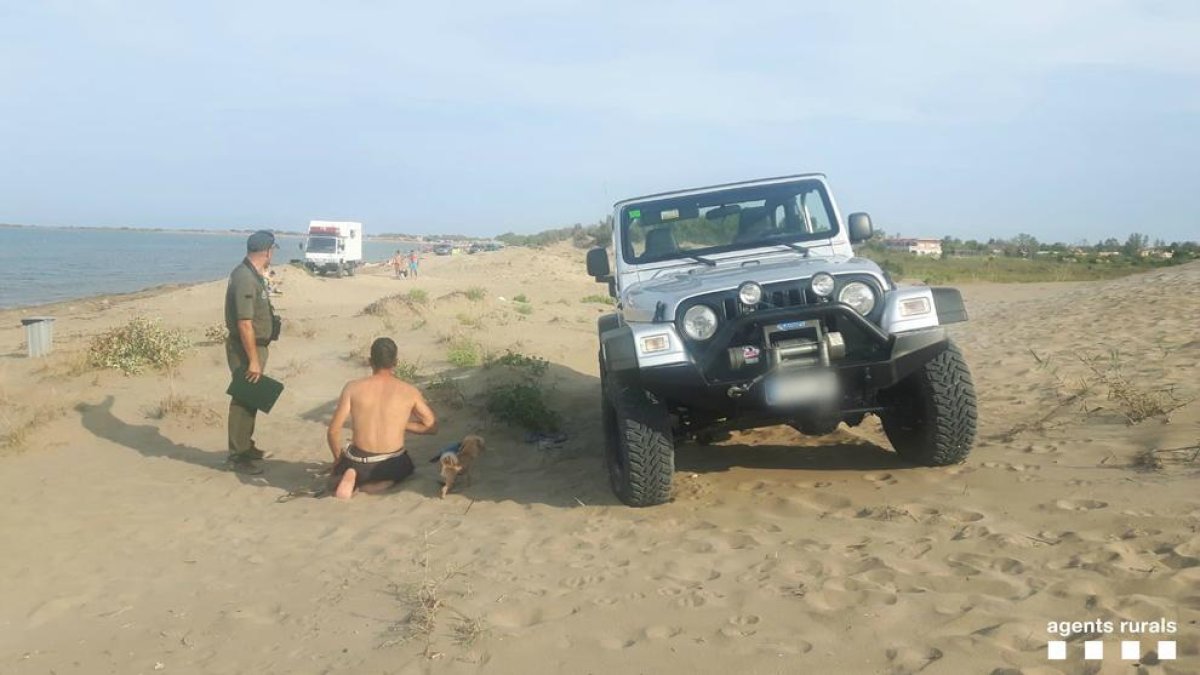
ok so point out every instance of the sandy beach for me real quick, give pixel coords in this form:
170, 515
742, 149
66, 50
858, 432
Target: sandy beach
127, 547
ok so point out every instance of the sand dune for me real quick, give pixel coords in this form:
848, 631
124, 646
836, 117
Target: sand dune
128, 549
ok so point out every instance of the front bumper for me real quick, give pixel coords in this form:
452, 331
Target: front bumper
695, 377
686, 384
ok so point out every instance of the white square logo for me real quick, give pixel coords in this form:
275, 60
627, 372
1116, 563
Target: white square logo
1166, 650
1131, 650
1056, 650
1093, 650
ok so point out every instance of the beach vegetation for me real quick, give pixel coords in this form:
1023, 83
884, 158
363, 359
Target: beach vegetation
178, 406
516, 393
469, 321
216, 333
445, 390
140, 344
408, 371
523, 309
17, 428
597, 299
520, 297
464, 353
524, 405
475, 293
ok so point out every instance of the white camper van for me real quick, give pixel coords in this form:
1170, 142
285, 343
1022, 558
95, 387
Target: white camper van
333, 246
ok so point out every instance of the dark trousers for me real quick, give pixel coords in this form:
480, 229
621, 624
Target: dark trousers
241, 418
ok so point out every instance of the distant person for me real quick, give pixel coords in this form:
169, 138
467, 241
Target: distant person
398, 264
412, 263
382, 408
251, 323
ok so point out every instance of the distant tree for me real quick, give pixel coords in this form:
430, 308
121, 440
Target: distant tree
1134, 244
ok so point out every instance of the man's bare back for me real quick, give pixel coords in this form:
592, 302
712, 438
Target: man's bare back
382, 409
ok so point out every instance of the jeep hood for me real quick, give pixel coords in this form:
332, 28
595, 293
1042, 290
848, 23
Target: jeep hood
671, 287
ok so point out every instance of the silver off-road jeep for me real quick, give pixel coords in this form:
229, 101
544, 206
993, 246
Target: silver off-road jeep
742, 306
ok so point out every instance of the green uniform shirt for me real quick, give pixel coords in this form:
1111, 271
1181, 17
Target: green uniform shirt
246, 298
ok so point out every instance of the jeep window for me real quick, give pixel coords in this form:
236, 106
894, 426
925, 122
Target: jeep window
684, 227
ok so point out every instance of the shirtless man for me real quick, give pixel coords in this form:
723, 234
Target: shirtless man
382, 408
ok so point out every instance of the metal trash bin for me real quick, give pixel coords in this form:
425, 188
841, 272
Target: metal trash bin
39, 335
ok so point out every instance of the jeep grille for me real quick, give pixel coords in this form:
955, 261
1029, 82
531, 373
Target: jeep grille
786, 294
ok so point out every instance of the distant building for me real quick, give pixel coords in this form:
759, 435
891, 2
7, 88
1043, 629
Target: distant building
1161, 254
915, 246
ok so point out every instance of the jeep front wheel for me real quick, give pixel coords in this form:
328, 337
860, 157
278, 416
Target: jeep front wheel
639, 450
930, 415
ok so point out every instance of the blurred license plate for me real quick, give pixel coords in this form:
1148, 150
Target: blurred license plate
801, 388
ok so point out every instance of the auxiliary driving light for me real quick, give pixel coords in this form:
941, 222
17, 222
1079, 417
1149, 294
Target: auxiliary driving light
750, 294
822, 284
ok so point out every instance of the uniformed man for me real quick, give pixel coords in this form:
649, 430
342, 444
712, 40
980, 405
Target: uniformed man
251, 323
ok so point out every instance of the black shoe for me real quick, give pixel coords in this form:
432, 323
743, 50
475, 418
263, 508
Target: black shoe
243, 462
255, 453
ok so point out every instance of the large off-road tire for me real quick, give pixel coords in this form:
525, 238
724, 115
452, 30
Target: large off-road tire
639, 451
930, 416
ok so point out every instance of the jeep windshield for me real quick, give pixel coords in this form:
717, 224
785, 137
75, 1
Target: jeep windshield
683, 228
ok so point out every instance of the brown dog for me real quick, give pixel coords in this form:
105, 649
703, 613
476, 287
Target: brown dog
457, 459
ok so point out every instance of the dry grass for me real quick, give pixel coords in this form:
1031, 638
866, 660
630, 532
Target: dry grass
216, 333
17, 426
65, 364
1156, 459
1133, 401
424, 601
179, 407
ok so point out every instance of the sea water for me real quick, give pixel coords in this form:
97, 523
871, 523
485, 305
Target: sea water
39, 265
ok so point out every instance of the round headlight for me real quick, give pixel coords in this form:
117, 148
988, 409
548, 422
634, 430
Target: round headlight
750, 293
859, 296
700, 322
822, 284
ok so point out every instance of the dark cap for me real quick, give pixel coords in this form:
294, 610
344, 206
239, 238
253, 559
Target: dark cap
260, 241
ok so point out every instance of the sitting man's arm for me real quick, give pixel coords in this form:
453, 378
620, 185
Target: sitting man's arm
339, 420
422, 420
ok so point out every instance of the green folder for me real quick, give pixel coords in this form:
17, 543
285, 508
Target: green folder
259, 395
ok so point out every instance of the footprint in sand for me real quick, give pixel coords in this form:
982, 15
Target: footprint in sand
1079, 504
662, 632
880, 479
740, 626
576, 583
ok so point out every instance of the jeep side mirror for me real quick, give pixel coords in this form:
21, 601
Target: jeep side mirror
860, 227
597, 264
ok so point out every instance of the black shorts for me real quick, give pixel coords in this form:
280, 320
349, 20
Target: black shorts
394, 468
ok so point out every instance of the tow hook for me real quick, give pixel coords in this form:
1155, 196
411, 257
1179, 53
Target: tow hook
738, 390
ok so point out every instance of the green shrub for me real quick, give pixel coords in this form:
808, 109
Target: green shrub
139, 344
598, 299
532, 366
522, 404
476, 293
417, 296
524, 309
464, 353
443, 390
520, 297
408, 371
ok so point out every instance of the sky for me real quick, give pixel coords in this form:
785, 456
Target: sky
1067, 120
